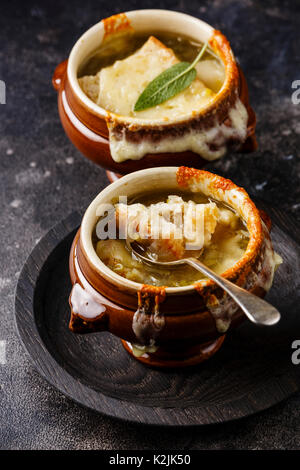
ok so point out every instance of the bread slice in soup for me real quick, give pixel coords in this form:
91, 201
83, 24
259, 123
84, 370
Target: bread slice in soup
174, 228
192, 120
120, 85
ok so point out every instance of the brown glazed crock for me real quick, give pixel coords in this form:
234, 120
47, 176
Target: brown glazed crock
190, 332
85, 123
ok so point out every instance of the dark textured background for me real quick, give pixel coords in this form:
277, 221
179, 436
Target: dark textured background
43, 178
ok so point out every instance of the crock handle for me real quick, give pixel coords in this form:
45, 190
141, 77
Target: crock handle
58, 74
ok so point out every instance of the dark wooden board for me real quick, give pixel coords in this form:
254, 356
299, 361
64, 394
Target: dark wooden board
251, 372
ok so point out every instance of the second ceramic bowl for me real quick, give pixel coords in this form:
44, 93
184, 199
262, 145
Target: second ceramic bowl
85, 122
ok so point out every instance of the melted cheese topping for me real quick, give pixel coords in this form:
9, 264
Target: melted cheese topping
90, 85
84, 304
222, 235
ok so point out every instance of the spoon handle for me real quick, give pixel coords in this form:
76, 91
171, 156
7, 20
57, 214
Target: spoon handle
257, 310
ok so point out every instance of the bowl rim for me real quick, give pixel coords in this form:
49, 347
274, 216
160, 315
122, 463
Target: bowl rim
213, 181
213, 36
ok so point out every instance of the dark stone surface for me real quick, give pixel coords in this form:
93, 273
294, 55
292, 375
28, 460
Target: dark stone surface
43, 178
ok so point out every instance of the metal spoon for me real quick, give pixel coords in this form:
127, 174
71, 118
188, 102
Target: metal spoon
256, 309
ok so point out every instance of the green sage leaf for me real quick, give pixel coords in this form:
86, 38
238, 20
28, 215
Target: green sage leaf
168, 83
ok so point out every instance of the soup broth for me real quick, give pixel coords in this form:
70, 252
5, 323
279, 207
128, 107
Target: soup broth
227, 245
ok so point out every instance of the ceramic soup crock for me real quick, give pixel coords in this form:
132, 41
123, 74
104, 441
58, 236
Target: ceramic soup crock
188, 323
88, 125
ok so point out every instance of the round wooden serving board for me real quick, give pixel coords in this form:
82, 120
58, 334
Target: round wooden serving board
251, 372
